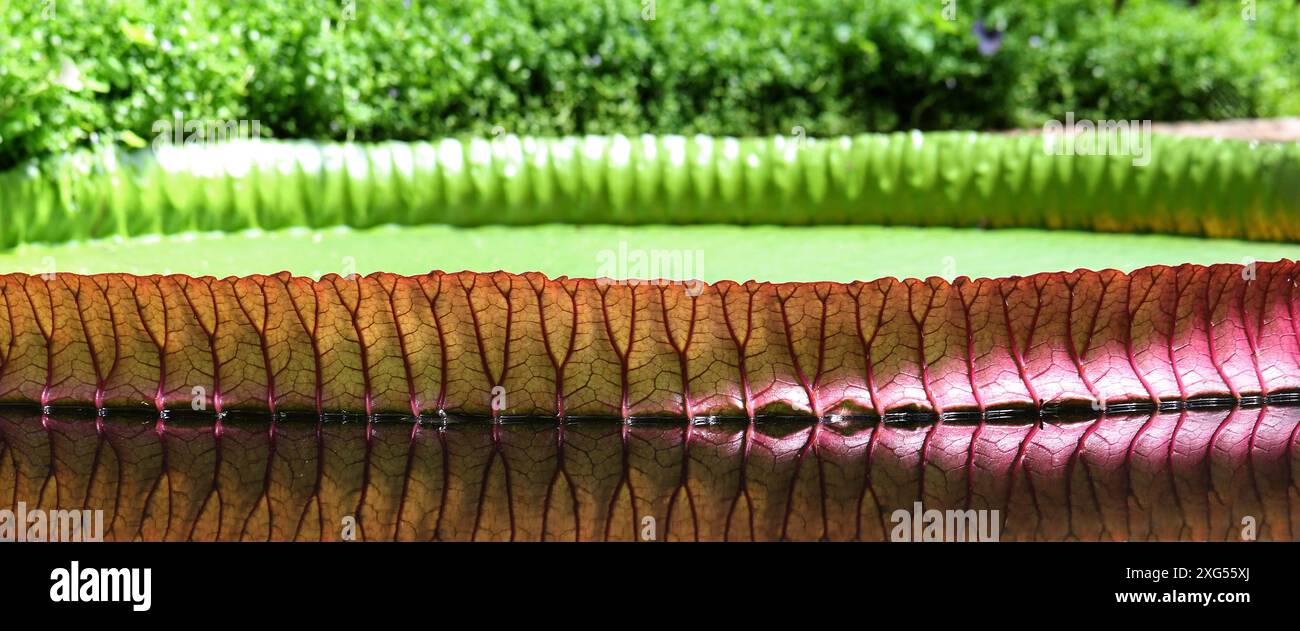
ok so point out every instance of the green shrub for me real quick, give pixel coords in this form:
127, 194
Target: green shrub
74, 72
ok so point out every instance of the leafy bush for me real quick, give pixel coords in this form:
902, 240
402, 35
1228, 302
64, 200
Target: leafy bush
76, 72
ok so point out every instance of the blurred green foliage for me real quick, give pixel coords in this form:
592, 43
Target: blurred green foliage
74, 72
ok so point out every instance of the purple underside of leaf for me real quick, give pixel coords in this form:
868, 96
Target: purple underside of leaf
523, 345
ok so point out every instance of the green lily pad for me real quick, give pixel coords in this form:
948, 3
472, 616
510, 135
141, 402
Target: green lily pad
710, 252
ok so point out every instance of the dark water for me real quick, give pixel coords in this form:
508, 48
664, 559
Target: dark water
1202, 474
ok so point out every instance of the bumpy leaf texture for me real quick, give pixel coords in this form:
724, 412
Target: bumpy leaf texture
499, 344
1192, 186
1185, 475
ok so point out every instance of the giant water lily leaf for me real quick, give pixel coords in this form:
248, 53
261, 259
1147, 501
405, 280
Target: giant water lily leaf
1226, 189
523, 345
706, 252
